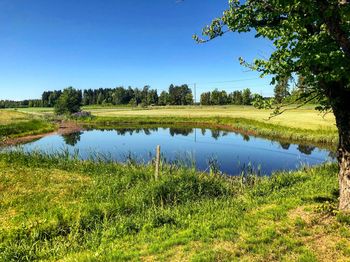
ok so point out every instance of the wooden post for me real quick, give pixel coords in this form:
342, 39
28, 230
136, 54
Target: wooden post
156, 175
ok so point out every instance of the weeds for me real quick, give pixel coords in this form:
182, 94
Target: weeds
54, 207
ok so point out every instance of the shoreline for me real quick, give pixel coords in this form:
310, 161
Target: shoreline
65, 127
320, 138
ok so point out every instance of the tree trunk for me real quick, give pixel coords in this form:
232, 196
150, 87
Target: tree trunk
340, 100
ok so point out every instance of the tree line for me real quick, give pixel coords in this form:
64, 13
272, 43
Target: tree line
19, 104
176, 95
217, 97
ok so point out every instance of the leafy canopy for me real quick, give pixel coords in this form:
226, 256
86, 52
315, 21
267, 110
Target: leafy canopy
69, 102
311, 38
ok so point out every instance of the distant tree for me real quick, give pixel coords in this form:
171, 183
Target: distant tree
49, 98
69, 102
152, 97
282, 90
164, 98
119, 96
246, 97
100, 98
205, 99
236, 98
188, 99
218, 97
180, 95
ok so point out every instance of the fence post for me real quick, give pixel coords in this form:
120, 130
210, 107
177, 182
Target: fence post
156, 175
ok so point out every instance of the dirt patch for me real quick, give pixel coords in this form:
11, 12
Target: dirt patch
323, 235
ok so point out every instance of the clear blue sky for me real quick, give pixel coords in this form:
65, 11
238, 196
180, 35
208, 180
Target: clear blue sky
46, 45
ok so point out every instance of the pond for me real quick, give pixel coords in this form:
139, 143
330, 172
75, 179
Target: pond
230, 152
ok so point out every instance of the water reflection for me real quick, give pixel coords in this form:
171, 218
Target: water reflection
285, 146
72, 139
180, 131
305, 149
210, 149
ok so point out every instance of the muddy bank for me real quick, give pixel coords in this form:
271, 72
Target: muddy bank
63, 128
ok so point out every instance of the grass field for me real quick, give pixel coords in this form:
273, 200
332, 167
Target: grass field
14, 124
55, 208
10, 117
305, 118
59, 208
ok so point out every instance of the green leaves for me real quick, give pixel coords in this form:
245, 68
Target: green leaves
305, 35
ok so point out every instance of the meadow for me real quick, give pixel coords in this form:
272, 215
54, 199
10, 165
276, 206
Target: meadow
303, 118
15, 124
59, 208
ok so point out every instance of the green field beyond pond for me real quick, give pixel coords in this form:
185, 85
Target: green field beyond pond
59, 208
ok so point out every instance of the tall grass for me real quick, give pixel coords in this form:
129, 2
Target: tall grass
56, 207
31, 127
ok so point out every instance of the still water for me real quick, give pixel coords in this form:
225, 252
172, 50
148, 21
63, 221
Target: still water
229, 151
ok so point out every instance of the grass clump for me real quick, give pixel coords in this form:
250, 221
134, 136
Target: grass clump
59, 208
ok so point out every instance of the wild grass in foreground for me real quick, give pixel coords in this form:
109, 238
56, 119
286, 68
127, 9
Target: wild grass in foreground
55, 207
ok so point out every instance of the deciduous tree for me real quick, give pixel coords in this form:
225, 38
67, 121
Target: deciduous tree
311, 38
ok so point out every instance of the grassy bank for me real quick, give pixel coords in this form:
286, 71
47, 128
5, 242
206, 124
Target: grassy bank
305, 118
325, 136
299, 125
15, 124
59, 208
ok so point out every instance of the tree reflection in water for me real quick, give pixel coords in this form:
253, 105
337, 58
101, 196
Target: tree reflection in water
72, 139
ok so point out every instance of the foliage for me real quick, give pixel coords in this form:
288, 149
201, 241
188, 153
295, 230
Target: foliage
281, 90
246, 97
49, 98
260, 102
164, 98
20, 104
236, 97
217, 97
69, 102
205, 99
180, 95
311, 38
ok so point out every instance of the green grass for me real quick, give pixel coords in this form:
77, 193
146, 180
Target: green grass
31, 127
57, 208
305, 118
11, 116
16, 124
